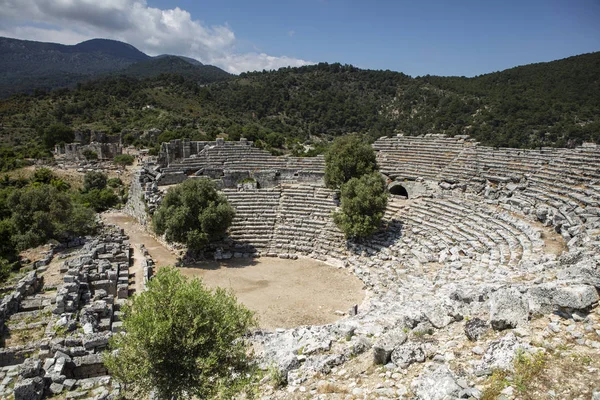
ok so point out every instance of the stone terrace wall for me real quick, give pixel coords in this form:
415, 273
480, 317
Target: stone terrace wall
74, 151
232, 162
144, 195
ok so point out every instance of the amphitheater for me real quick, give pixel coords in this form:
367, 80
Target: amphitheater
475, 239
483, 253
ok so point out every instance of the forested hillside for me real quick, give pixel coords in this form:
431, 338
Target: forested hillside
27, 66
556, 103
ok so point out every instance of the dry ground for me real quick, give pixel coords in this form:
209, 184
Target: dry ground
71, 176
284, 293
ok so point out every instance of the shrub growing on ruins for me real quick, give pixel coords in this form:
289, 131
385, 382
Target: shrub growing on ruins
183, 340
364, 200
124, 159
94, 180
95, 193
40, 213
90, 155
193, 213
348, 157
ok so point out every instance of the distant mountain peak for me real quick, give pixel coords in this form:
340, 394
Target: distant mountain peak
113, 47
28, 65
189, 60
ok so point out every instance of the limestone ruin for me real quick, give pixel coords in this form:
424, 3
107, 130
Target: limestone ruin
484, 251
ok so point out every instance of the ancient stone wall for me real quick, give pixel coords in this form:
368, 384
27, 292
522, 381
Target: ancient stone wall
144, 195
75, 151
67, 329
456, 268
232, 162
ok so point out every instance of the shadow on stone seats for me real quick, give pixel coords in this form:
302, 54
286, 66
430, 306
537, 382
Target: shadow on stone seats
228, 249
388, 235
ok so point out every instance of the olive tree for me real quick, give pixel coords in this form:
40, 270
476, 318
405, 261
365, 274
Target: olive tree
182, 340
364, 200
194, 213
348, 157
42, 212
94, 180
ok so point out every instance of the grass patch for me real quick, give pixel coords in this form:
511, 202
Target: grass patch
24, 336
277, 378
527, 367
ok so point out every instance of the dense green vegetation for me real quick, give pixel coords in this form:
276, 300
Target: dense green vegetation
348, 157
364, 200
550, 104
193, 213
37, 210
98, 194
29, 66
351, 167
124, 159
183, 341
175, 65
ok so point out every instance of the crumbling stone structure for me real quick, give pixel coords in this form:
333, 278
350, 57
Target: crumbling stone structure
468, 232
75, 151
233, 162
67, 327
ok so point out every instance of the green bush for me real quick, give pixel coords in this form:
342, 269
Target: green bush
8, 251
348, 157
364, 200
43, 175
40, 213
124, 159
182, 341
46, 176
94, 180
193, 213
114, 182
90, 155
99, 200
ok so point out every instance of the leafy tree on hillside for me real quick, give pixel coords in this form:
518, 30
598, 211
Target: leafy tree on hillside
364, 200
193, 213
94, 180
348, 157
46, 176
95, 193
8, 251
57, 133
40, 213
43, 175
182, 341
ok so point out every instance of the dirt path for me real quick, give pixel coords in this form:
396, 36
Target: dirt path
284, 293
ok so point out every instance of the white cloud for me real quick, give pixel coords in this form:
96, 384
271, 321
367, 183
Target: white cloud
152, 30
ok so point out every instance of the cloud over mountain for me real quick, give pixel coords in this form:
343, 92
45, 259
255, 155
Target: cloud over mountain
152, 30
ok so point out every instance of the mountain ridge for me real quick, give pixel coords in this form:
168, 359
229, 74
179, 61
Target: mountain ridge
27, 65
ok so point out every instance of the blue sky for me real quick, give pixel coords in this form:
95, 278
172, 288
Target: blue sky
418, 38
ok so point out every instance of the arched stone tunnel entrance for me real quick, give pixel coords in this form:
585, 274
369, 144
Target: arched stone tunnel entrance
398, 190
